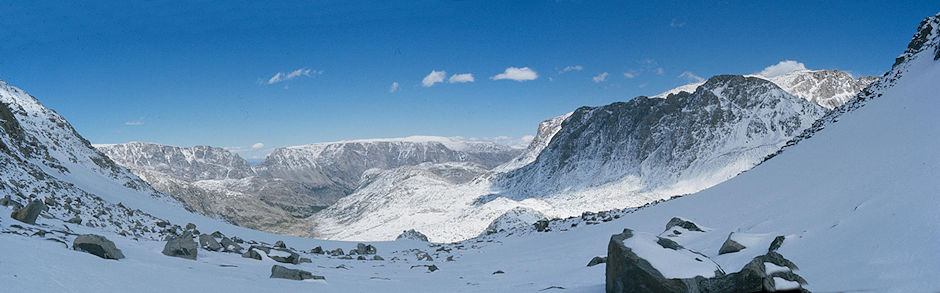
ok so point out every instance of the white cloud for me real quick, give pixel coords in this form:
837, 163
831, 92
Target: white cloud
600, 77
461, 78
571, 68
281, 76
517, 74
393, 88
784, 67
676, 23
257, 146
134, 123
434, 77
628, 75
660, 71
691, 77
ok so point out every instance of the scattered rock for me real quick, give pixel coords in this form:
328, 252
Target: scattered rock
412, 235
209, 243
541, 225
280, 244
182, 246
190, 226
450, 258
7, 201
228, 245
431, 268
730, 246
97, 245
29, 213
499, 272
281, 272
317, 250
336, 252
688, 225
425, 256
251, 253
778, 241
361, 257
597, 260
75, 220
377, 257
362, 248
668, 243
277, 255
305, 260
217, 234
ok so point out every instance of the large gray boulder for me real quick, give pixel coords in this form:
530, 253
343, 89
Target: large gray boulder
97, 245
29, 213
281, 272
628, 272
282, 255
208, 243
363, 248
182, 246
688, 225
229, 245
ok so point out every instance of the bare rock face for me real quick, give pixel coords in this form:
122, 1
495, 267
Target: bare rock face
29, 213
97, 245
730, 246
281, 272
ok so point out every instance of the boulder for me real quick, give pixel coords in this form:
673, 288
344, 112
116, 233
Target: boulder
190, 226
182, 246
7, 201
336, 252
229, 245
251, 253
280, 244
217, 234
541, 225
730, 246
412, 235
377, 257
425, 256
317, 250
281, 272
208, 243
688, 225
284, 256
362, 248
97, 245
75, 220
597, 260
29, 213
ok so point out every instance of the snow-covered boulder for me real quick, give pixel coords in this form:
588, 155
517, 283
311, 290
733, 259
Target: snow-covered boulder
517, 217
412, 235
281, 272
208, 243
182, 246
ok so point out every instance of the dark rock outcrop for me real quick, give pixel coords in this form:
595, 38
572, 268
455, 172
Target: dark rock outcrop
281, 272
730, 246
97, 245
597, 260
688, 225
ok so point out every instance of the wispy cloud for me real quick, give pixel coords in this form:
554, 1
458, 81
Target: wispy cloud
517, 74
302, 72
691, 77
600, 77
393, 88
461, 78
433, 77
781, 68
257, 146
628, 75
659, 70
676, 23
571, 68
134, 123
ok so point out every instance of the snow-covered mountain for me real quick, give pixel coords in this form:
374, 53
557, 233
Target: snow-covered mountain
828, 88
189, 164
595, 158
339, 165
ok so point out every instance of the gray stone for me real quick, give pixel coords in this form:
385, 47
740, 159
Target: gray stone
377, 257
29, 213
362, 248
97, 245
336, 252
280, 244
293, 258
229, 245
7, 201
281, 272
317, 250
675, 221
217, 234
541, 225
182, 246
597, 260
668, 243
251, 253
190, 226
75, 220
361, 257
778, 241
730, 246
425, 256
208, 243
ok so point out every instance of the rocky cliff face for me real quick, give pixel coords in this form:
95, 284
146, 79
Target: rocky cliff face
828, 88
685, 142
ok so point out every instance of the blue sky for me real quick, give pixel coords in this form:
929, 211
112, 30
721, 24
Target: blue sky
204, 73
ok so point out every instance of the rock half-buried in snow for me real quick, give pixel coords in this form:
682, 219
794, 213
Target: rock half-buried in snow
97, 245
